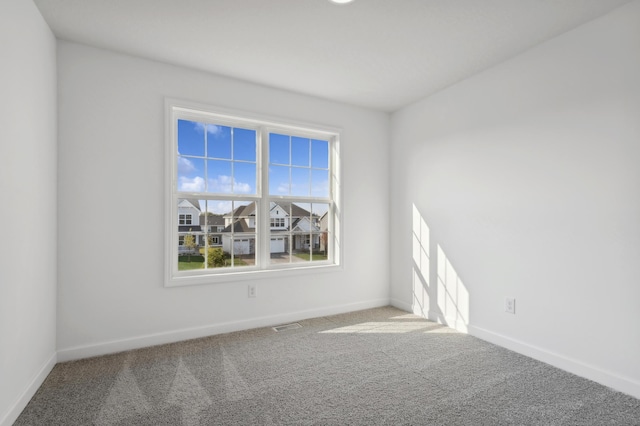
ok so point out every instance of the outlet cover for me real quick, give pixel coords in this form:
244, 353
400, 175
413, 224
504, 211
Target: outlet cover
510, 305
252, 290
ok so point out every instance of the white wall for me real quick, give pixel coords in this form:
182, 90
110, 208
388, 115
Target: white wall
527, 178
111, 154
27, 204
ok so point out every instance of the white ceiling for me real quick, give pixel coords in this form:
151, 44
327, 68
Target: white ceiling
380, 54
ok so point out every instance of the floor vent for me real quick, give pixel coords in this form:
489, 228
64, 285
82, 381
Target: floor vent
286, 327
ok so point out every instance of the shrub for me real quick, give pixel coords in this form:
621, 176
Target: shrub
215, 258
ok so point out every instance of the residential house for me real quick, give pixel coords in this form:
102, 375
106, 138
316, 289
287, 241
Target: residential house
192, 221
293, 228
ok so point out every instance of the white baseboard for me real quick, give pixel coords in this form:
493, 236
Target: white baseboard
401, 305
138, 342
28, 393
579, 368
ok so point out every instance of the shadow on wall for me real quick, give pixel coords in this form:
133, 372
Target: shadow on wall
438, 292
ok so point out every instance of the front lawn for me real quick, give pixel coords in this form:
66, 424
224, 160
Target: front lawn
306, 256
186, 262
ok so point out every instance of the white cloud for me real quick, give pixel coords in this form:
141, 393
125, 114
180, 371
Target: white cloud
219, 207
212, 129
195, 184
320, 189
222, 184
225, 184
283, 188
185, 166
296, 188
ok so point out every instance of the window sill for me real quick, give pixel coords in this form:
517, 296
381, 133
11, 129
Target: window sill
253, 274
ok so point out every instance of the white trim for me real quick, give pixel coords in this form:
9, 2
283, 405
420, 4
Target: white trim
572, 365
24, 398
397, 303
232, 115
143, 341
250, 273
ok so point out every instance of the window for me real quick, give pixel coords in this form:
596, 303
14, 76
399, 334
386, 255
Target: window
277, 222
184, 219
269, 191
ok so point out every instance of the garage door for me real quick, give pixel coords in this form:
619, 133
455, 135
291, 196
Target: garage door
241, 247
277, 245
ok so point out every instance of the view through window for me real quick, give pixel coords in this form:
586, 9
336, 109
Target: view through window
249, 195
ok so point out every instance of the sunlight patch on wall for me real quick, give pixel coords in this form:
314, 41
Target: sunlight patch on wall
421, 260
453, 297
438, 293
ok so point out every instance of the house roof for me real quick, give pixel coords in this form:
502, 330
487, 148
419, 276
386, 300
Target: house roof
292, 209
212, 219
243, 211
296, 210
304, 225
239, 226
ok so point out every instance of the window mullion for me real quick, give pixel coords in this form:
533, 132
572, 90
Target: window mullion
264, 231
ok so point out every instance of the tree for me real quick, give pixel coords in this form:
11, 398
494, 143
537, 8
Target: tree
189, 243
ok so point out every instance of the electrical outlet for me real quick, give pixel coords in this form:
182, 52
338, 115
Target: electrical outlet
252, 290
510, 305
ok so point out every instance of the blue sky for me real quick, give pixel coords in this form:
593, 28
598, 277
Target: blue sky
298, 166
230, 160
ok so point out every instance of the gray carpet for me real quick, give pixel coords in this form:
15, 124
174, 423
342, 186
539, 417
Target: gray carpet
373, 367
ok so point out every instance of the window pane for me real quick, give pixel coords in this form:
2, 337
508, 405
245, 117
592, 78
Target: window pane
300, 214
219, 176
244, 178
299, 151
244, 252
320, 248
308, 234
237, 240
320, 228
190, 138
319, 154
218, 141
279, 180
244, 144
189, 235
189, 257
279, 239
278, 149
319, 212
300, 181
300, 249
211, 222
190, 174
279, 248
319, 183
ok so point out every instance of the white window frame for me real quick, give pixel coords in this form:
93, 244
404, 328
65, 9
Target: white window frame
178, 109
